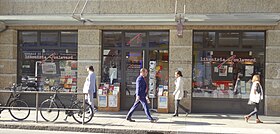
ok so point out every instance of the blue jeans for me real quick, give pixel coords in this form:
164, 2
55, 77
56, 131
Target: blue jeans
144, 103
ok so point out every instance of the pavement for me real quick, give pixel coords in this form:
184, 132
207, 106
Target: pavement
114, 122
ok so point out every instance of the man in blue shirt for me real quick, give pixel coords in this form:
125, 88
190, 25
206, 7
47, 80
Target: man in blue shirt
141, 91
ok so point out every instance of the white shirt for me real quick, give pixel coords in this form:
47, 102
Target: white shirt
89, 85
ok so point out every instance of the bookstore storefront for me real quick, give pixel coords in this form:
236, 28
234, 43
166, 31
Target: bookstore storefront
220, 58
124, 53
47, 59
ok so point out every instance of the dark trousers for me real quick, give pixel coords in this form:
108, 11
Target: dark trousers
144, 103
177, 105
255, 111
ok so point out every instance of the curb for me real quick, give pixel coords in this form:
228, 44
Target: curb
84, 129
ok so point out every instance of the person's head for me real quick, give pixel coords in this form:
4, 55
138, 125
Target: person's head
90, 68
256, 78
144, 72
178, 74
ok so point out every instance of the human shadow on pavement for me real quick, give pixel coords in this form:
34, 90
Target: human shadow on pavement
216, 117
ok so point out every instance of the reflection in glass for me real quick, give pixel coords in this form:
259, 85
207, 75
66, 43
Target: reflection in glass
112, 39
159, 39
229, 39
69, 39
253, 40
49, 39
28, 39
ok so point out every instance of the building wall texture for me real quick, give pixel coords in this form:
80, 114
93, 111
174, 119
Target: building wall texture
28, 7
180, 50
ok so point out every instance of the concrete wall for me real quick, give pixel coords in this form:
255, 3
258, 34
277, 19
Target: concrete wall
272, 76
8, 58
20, 7
180, 57
89, 53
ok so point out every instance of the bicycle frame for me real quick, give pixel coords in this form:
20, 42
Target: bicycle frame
55, 98
13, 96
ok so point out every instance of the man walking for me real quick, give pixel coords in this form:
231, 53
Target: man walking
141, 87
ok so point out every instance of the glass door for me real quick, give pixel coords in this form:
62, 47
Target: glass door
133, 62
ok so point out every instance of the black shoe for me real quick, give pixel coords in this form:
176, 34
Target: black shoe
130, 120
154, 120
174, 115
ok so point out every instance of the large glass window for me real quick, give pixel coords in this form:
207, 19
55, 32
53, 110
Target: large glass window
226, 72
43, 66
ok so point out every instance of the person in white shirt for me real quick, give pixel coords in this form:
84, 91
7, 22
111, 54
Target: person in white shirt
89, 86
256, 95
179, 93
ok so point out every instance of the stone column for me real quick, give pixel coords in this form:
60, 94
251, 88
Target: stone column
180, 52
272, 73
8, 58
89, 53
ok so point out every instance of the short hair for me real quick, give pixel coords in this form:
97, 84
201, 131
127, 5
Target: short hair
179, 73
91, 68
143, 70
256, 78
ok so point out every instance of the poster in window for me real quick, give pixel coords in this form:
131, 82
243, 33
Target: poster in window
162, 101
102, 101
49, 68
112, 100
223, 70
249, 70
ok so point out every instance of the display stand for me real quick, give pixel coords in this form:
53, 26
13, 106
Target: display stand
109, 97
162, 104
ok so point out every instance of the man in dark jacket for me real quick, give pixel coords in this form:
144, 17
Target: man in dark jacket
141, 86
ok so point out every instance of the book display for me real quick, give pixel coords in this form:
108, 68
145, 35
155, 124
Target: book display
109, 97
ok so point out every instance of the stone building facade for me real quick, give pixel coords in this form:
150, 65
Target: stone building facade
57, 15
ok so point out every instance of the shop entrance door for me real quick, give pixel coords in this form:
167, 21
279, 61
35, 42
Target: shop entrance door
133, 62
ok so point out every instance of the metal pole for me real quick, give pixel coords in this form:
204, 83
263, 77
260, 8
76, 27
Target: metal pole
83, 8
83, 109
76, 7
37, 98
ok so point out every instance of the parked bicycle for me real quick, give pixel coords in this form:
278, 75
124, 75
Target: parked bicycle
18, 108
50, 109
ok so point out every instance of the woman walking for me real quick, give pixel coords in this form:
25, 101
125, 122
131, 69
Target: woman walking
179, 93
256, 95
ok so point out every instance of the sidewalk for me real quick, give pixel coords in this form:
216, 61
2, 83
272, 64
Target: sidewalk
114, 122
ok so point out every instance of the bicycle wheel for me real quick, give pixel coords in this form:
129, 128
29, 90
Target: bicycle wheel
48, 112
78, 114
19, 109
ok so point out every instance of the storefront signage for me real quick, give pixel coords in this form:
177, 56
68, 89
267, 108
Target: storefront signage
38, 56
206, 59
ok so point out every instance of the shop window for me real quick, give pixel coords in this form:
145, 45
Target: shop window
48, 66
159, 39
135, 39
112, 39
28, 39
49, 39
229, 39
215, 72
